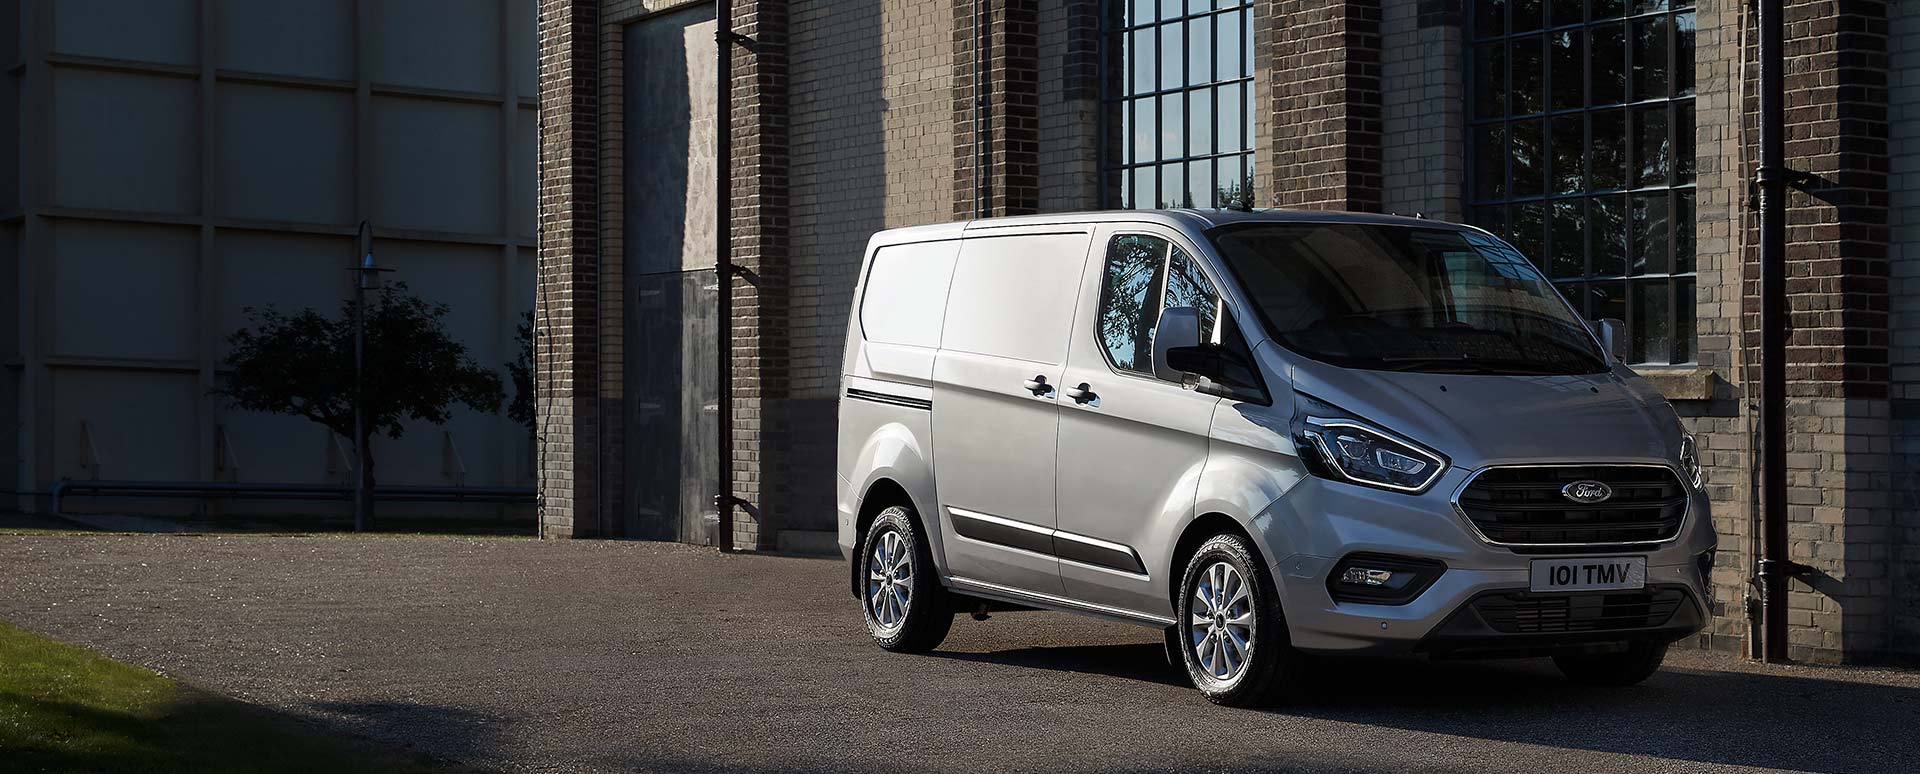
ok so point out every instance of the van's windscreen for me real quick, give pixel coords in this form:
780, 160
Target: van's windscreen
1406, 299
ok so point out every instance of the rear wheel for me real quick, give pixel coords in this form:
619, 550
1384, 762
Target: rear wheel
1233, 638
1628, 667
906, 608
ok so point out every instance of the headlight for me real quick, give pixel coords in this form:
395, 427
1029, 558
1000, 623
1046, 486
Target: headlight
1353, 450
1690, 461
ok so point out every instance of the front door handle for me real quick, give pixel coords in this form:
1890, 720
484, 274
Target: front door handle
1038, 385
1082, 394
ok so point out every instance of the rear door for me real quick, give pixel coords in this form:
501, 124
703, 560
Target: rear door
1132, 445
995, 404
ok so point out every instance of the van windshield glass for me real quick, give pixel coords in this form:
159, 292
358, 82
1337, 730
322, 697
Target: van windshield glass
1395, 298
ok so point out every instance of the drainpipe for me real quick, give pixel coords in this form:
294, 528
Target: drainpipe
1771, 185
723, 268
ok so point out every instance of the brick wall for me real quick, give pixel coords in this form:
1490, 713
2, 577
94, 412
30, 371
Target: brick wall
566, 351
1069, 105
1903, 121
762, 449
610, 182
839, 176
1722, 424
1423, 108
1838, 479
996, 143
1324, 90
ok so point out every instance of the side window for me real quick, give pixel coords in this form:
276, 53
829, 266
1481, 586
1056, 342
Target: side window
1143, 275
1130, 300
1187, 286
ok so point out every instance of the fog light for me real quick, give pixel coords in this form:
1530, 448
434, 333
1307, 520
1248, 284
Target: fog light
1367, 576
1381, 579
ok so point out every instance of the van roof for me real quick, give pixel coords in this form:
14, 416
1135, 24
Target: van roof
1194, 219
1207, 219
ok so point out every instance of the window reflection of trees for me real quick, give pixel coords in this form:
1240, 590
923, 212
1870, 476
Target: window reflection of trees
1581, 153
1143, 275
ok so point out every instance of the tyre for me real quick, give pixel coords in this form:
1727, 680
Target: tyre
906, 608
1233, 638
1628, 667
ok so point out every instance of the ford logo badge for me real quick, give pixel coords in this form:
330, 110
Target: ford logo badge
1587, 492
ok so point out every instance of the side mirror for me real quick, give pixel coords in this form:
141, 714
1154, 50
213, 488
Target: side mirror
1179, 328
1613, 336
1199, 360
1218, 365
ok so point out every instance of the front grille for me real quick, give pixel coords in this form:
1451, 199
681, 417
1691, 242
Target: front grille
1523, 506
1524, 612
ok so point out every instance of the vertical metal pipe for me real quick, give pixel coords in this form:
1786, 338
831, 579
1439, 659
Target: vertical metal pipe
722, 259
1771, 184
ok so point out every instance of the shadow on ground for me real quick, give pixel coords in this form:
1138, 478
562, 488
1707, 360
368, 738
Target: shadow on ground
1745, 719
198, 733
1133, 662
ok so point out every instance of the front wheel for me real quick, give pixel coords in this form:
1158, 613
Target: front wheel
1233, 638
906, 608
1628, 667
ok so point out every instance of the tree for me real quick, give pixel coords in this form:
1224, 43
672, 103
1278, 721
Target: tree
521, 372
301, 364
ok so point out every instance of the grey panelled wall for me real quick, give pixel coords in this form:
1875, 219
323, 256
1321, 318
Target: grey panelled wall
10, 235
176, 161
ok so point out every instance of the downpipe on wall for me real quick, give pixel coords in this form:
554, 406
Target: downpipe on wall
723, 267
1775, 568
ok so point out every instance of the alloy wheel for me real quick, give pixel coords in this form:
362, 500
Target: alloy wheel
1220, 619
890, 581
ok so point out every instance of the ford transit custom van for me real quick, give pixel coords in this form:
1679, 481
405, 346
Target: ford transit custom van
1270, 435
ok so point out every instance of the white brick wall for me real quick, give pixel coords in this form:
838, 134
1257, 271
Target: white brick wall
1069, 128
872, 148
1423, 108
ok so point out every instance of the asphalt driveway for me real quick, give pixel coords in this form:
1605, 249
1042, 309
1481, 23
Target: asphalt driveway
527, 655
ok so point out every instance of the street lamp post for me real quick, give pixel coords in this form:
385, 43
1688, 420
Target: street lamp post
365, 275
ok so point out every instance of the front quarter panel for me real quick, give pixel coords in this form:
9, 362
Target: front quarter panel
1252, 463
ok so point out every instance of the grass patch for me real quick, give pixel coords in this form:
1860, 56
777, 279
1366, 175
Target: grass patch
68, 709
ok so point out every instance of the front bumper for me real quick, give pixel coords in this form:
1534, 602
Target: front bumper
1319, 522
1506, 623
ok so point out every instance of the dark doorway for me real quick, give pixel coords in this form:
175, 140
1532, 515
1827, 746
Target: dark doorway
670, 317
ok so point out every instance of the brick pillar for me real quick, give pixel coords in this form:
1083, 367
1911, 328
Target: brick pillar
1839, 483
1323, 85
1000, 102
761, 361
566, 350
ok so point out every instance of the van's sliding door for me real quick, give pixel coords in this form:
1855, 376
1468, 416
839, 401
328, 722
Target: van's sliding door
996, 392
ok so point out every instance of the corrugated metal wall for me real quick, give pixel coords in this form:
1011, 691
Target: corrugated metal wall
181, 160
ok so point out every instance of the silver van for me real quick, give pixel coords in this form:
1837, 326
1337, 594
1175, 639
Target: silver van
1270, 434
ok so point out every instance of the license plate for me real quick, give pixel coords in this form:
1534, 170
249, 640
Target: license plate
1590, 574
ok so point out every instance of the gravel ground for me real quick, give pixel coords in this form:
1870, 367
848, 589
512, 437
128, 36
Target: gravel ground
527, 655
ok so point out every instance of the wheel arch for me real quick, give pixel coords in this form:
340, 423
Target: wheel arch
1196, 533
882, 493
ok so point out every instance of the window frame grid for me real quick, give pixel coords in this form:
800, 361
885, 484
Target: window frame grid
1628, 108
1122, 106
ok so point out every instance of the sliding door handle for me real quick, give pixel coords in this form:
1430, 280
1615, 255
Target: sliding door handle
1038, 385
